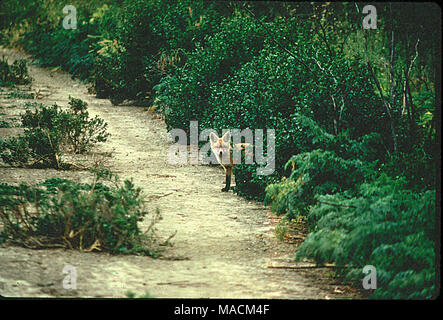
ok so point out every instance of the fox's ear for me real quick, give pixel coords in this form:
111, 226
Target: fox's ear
227, 136
213, 137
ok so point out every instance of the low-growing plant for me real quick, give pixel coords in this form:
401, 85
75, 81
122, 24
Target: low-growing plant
314, 173
82, 132
49, 131
19, 94
384, 225
4, 124
15, 73
102, 215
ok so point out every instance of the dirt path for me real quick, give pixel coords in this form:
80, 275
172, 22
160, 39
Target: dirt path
223, 243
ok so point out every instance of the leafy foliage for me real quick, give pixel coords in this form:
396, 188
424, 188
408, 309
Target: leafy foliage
14, 74
315, 173
384, 225
81, 131
50, 130
150, 37
64, 213
185, 95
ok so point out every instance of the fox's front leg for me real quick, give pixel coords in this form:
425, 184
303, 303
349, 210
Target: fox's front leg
228, 171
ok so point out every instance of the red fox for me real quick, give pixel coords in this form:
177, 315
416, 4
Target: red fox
221, 147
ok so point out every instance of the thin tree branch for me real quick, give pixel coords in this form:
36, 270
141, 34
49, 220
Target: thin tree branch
325, 40
391, 67
336, 204
407, 72
377, 84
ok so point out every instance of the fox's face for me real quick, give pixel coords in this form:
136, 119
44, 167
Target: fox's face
221, 145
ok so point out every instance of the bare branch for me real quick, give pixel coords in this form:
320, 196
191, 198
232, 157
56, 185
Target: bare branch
407, 72
377, 84
392, 57
336, 204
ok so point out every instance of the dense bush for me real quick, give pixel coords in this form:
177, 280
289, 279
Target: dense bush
14, 74
358, 215
67, 214
81, 131
384, 225
314, 173
49, 131
185, 94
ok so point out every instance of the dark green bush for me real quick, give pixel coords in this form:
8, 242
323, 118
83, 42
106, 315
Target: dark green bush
368, 148
417, 166
42, 34
384, 225
4, 124
185, 94
16, 73
314, 173
49, 131
81, 131
15, 151
294, 134
271, 89
63, 213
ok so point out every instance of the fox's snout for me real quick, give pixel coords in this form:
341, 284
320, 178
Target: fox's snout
221, 150
221, 147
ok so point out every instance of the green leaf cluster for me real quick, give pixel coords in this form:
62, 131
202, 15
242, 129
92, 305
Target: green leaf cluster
49, 131
102, 215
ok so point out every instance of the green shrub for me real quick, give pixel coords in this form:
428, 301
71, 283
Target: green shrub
40, 144
384, 225
265, 87
369, 148
14, 74
19, 94
297, 68
314, 173
63, 213
294, 134
150, 38
185, 94
4, 124
49, 131
81, 131
46, 39
417, 166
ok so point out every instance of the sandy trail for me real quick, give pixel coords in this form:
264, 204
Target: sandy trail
223, 243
